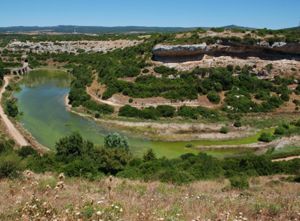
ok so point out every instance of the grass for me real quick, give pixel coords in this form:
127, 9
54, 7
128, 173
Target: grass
175, 149
268, 120
285, 152
121, 199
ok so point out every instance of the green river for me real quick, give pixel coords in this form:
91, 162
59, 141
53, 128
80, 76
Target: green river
44, 115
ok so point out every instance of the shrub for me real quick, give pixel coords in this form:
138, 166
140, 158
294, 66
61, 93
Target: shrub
175, 176
213, 97
265, 137
6, 146
11, 108
115, 140
237, 124
269, 67
111, 160
285, 97
149, 155
224, 130
280, 130
10, 166
165, 70
81, 168
145, 71
239, 182
188, 112
166, 110
26, 151
128, 111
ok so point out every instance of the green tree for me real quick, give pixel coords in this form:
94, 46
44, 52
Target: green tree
11, 108
72, 147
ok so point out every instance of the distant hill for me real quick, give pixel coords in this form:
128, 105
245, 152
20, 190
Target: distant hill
92, 29
237, 27
112, 30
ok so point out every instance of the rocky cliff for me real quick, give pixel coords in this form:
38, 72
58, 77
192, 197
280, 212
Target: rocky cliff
181, 53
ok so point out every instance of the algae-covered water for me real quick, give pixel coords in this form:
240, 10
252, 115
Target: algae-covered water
44, 115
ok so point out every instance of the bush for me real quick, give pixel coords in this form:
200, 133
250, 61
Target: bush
165, 70
280, 130
175, 176
115, 140
224, 130
10, 166
213, 97
26, 151
237, 124
149, 155
81, 168
265, 137
129, 111
166, 110
11, 108
239, 182
285, 97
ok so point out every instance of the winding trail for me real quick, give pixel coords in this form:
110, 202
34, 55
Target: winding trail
286, 158
12, 130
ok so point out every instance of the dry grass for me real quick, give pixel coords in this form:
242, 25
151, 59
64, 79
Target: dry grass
37, 198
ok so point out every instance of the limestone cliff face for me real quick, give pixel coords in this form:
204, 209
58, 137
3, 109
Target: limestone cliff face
179, 53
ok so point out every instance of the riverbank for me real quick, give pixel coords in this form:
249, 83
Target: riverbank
12, 131
170, 132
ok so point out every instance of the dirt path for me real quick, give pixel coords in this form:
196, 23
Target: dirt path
286, 158
12, 130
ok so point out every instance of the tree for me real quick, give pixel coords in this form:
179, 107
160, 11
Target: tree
115, 140
73, 146
11, 108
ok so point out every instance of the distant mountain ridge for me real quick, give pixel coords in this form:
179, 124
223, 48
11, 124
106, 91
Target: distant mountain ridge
107, 30
92, 29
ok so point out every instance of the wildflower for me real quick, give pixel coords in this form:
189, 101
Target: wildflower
60, 185
61, 176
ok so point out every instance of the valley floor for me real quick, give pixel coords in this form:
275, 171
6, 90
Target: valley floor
46, 197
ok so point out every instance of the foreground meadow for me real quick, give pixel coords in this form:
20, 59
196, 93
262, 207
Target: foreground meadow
54, 197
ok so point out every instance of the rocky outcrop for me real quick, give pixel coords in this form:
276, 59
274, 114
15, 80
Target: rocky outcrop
181, 53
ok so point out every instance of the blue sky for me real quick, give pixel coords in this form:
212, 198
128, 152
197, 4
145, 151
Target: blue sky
185, 13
